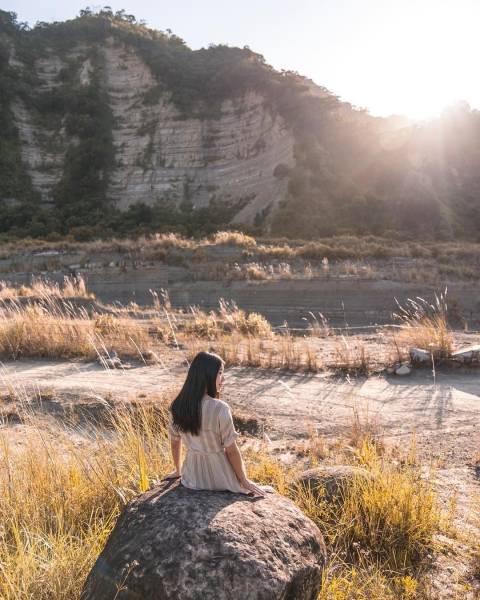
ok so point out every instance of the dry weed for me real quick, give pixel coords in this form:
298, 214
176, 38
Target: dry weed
315, 448
424, 325
351, 357
233, 238
57, 329
368, 582
356, 269
387, 519
59, 502
72, 287
365, 428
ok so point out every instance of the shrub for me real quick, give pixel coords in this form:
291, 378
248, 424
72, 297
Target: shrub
389, 519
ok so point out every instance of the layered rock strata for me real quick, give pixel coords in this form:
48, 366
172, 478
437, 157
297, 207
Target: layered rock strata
160, 153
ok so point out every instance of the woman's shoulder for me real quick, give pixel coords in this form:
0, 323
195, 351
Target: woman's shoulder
217, 403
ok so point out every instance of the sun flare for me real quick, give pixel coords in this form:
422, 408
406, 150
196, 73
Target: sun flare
423, 57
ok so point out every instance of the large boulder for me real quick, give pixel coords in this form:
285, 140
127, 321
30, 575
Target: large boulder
176, 543
331, 483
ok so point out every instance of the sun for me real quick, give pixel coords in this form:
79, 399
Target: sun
420, 59
413, 98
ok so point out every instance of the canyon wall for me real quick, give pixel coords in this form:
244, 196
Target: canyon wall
159, 152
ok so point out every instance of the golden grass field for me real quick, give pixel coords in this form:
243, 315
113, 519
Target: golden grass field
53, 325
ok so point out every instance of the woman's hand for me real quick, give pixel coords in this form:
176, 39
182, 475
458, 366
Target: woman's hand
173, 475
251, 487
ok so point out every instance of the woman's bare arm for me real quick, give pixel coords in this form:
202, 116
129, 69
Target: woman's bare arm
176, 449
235, 458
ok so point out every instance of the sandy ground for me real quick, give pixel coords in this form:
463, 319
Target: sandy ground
440, 407
443, 412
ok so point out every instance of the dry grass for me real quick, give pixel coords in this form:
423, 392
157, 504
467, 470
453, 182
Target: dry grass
315, 448
59, 330
318, 326
232, 238
356, 269
380, 530
351, 357
237, 320
59, 502
476, 564
368, 583
56, 328
229, 319
389, 519
365, 428
282, 352
252, 271
337, 248
424, 325
33, 331
265, 469
55, 324
475, 557
378, 533
72, 287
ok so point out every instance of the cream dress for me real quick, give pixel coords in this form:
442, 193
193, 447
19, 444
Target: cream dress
206, 467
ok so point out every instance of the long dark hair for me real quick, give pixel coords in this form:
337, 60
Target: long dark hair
202, 377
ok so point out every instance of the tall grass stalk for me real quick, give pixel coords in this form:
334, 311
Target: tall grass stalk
424, 325
389, 518
59, 502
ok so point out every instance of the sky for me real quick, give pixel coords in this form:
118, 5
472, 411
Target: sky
411, 57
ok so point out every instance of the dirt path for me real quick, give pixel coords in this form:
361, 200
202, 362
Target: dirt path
440, 411
86, 378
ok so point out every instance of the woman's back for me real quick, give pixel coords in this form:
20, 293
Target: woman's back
205, 465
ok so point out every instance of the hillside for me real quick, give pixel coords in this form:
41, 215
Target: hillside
110, 127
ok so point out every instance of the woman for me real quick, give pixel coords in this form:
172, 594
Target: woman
204, 424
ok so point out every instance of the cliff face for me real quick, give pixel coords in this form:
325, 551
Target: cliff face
42, 148
159, 152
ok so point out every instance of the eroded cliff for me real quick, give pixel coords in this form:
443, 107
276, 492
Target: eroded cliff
159, 152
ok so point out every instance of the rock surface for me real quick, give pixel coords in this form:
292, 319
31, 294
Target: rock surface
175, 543
403, 369
468, 355
331, 482
159, 154
419, 355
